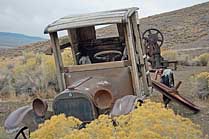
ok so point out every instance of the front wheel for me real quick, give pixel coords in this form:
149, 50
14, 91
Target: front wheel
22, 132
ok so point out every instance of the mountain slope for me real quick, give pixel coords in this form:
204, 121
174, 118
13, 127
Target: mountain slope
11, 40
185, 30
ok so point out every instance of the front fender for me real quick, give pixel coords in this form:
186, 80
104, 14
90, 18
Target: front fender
22, 117
125, 105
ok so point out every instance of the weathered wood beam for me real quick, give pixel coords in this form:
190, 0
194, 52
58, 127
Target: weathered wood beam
58, 60
72, 34
141, 55
132, 56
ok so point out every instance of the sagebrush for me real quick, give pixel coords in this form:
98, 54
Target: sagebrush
30, 73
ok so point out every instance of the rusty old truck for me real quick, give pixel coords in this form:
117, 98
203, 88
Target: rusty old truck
109, 74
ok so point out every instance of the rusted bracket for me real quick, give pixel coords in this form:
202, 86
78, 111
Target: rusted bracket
173, 94
78, 83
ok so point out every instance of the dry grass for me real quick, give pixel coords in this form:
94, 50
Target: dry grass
30, 75
185, 59
3, 134
202, 84
169, 54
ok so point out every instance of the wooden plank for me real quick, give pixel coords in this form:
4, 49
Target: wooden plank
54, 28
58, 60
95, 42
74, 44
144, 52
84, 20
86, 33
126, 42
98, 66
140, 54
120, 30
123, 10
132, 56
89, 17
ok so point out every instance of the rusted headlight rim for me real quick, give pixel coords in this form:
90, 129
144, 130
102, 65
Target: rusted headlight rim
39, 107
103, 98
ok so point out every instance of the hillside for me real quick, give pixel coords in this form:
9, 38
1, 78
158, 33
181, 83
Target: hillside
186, 30
11, 40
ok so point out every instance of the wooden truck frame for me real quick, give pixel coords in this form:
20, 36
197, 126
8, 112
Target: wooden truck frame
108, 76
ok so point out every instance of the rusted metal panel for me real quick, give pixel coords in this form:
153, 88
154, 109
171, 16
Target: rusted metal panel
119, 80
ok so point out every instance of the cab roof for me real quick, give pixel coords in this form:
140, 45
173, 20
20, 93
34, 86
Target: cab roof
90, 19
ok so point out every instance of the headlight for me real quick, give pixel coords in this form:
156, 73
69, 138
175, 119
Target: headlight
103, 99
39, 107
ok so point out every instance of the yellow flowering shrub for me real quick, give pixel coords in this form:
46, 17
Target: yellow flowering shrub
202, 80
149, 121
202, 59
56, 127
202, 75
67, 57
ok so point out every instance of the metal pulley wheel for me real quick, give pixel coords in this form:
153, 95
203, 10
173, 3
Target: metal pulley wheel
152, 38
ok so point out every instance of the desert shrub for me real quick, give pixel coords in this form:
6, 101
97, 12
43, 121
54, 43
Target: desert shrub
203, 78
202, 60
67, 57
30, 73
202, 84
3, 134
151, 120
169, 54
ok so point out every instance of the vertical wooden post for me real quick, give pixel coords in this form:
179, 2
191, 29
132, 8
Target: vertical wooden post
141, 54
120, 28
73, 40
144, 51
132, 55
58, 60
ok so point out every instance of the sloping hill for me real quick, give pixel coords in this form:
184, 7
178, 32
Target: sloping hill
185, 30
11, 40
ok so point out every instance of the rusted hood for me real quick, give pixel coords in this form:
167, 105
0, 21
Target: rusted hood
103, 91
15, 120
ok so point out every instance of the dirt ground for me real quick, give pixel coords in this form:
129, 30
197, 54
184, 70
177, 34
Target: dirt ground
187, 89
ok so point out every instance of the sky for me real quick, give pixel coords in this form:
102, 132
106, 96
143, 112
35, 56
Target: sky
30, 17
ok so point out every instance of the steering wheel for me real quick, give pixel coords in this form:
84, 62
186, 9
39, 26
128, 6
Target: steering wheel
153, 37
108, 56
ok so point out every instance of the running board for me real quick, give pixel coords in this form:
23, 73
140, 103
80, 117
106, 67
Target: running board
173, 94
